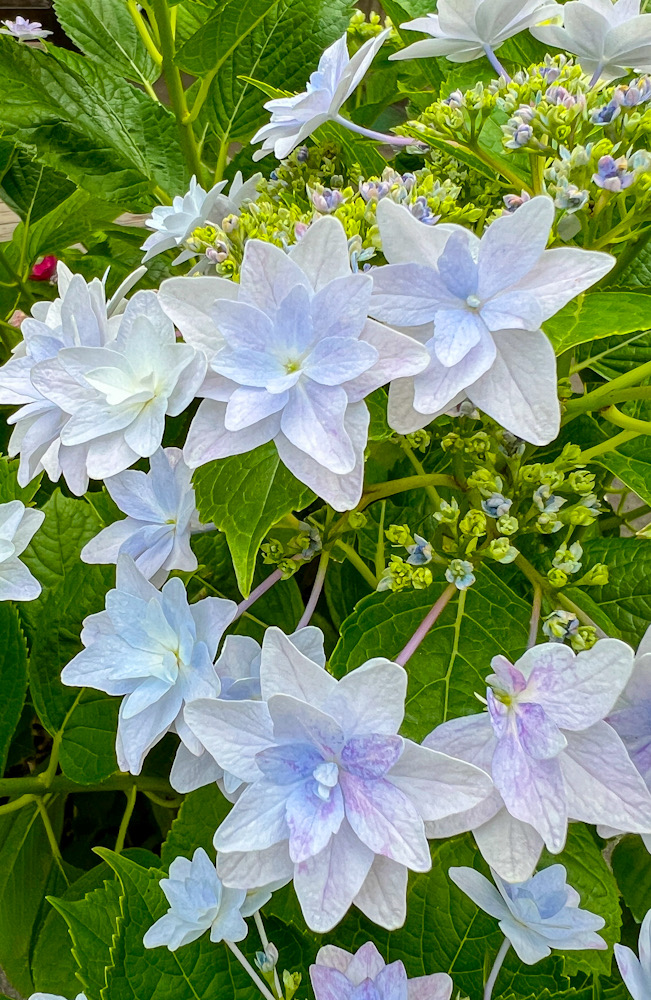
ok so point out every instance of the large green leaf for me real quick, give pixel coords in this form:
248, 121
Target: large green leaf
596, 315
244, 497
632, 868
282, 49
94, 128
27, 873
29, 189
106, 33
201, 969
451, 664
9, 488
70, 222
71, 591
195, 824
92, 924
13, 676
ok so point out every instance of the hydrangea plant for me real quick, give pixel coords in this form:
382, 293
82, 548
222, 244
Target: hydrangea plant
325, 484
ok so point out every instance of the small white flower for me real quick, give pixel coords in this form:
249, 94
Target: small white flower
292, 355
607, 38
161, 515
635, 972
155, 649
198, 901
80, 317
477, 305
25, 31
18, 524
463, 30
172, 224
293, 119
115, 397
53, 996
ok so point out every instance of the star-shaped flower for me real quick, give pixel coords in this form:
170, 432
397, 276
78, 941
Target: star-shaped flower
607, 38
172, 224
238, 678
292, 355
80, 316
551, 755
338, 975
18, 524
293, 119
336, 799
463, 30
636, 972
536, 916
477, 305
161, 515
24, 30
112, 399
157, 651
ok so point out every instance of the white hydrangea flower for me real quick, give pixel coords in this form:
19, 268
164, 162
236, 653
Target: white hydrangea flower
111, 400
238, 672
53, 996
291, 354
161, 516
157, 651
18, 524
198, 901
79, 317
607, 38
294, 118
636, 972
463, 30
172, 224
25, 31
478, 305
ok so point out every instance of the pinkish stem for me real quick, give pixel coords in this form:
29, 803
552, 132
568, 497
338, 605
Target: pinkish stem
425, 625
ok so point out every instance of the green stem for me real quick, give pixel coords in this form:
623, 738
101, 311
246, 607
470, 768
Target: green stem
174, 83
132, 795
117, 783
425, 480
615, 416
16, 804
15, 278
143, 31
517, 182
222, 159
54, 844
601, 397
539, 581
610, 445
380, 561
358, 563
202, 94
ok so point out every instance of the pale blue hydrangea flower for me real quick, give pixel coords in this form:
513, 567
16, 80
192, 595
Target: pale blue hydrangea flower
295, 117
460, 573
24, 30
636, 972
161, 516
420, 553
173, 224
18, 524
237, 671
338, 975
199, 901
336, 799
551, 755
496, 505
613, 174
568, 558
478, 305
536, 916
157, 651
607, 38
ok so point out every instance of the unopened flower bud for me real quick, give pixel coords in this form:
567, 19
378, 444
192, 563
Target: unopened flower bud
448, 513
420, 552
474, 523
420, 440
569, 457
585, 638
597, 576
501, 550
507, 525
396, 576
557, 577
272, 551
485, 481
451, 441
581, 481
288, 567
357, 519
560, 624
567, 558
399, 534
548, 524
230, 224
496, 505
266, 960
421, 578
460, 573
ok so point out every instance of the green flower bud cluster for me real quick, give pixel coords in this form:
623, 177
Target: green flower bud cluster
399, 575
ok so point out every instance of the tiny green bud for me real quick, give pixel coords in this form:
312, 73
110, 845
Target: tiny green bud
396, 576
568, 558
502, 551
581, 481
230, 224
585, 638
569, 457
272, 551
448, 512
485, 481
291, 982
597, 576
478, 444
288, 567
550, 476
531, 473
399, 534
548, 522
474, 523
451, 441
557, 577
357, 519
507, 525
581, 515
421, 577
420, 440
565, 390
560, 624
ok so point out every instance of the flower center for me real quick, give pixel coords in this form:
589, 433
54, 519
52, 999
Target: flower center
473, 301
326, 775
292, 366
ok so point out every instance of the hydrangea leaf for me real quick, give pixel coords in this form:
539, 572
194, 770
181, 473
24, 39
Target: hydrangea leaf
106, 33
626, 598
452, 662
27, 873
216, 40
9, 488
71, 591
596, 315
95, 128
196, 821
72, 221
13, 676
28, 189
446, 932
92, 924
589, 874
200, 969
54, 967
632, 868
244, 497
